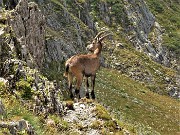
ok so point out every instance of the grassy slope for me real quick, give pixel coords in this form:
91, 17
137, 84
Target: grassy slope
134, 61
133, 102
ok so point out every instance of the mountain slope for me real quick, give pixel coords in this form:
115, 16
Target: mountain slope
139, 80
167, 14
120, 17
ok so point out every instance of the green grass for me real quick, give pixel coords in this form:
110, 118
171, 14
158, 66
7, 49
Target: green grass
24, 89
102, 113
135, 103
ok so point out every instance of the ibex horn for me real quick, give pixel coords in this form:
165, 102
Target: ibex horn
99, 34
104, 36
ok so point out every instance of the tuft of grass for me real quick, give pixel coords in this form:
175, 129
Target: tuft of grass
53, 72
2, 88
96, 124
60, 123
111, 125
102, 113
69, 104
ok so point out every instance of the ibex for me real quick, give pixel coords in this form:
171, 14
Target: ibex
85, 65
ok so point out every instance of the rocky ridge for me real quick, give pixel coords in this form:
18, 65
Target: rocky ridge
17, 126
24, 34
23, 49
90, 118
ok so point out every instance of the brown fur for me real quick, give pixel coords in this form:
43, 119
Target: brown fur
84, 65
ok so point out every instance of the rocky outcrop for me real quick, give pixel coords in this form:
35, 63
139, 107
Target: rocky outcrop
22, 49
17, 126
4, 48
45, 95
28, 24
142, 23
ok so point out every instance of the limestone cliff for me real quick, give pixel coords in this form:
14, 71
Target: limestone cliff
26, 27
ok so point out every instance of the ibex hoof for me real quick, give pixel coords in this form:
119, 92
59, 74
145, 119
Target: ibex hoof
76, 92
71, 96
93, 95
87, 95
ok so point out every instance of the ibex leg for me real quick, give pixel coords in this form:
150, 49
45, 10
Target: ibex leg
78, 85
87, 88
93, 85
70, 79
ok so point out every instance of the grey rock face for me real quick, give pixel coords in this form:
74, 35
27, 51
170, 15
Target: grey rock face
66, 35
82, 11
142, 21
1, 3
104, 12
142, 24
28, 24
4, 48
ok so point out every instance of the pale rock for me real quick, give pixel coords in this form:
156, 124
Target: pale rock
2, 108
50, 122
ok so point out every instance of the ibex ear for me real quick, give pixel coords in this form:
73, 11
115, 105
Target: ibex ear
105, 36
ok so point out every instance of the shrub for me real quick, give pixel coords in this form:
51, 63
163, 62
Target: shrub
24, 88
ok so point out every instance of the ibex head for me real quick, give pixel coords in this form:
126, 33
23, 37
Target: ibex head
97, 41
